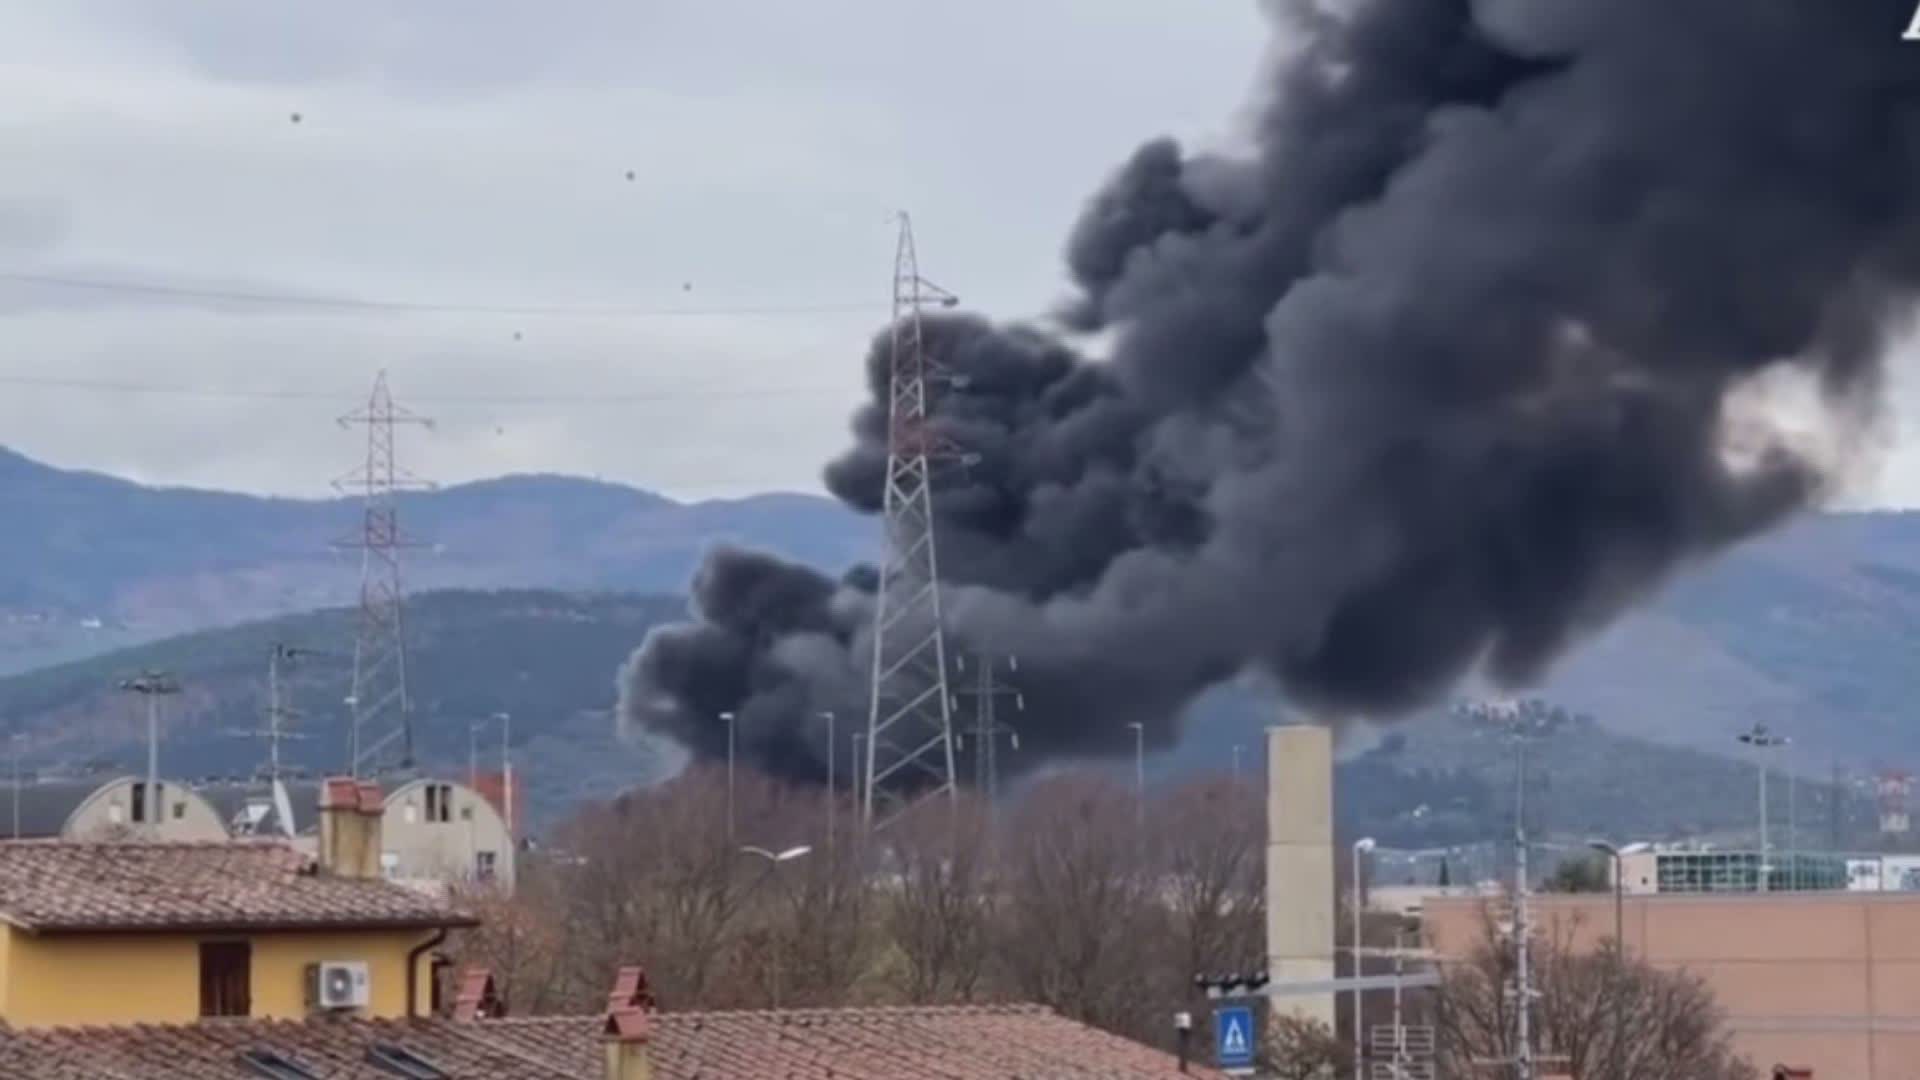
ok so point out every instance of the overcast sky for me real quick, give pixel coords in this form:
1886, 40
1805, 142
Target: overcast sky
476, 152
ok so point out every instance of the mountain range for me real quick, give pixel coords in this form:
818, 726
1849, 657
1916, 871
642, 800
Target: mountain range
1810, 630
90, 562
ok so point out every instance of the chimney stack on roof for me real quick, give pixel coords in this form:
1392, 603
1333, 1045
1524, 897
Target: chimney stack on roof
626, 1028
350, 812
478, 998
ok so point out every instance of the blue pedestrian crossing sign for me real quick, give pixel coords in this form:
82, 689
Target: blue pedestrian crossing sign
1233, 1037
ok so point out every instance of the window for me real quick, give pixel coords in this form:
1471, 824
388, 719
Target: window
439, 803
226, 978
483, 865
148, 810
179, 810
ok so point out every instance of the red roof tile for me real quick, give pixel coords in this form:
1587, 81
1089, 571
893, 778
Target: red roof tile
997, 1042
236, 885
961, 1043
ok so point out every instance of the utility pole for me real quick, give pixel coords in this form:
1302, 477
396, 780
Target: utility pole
152, 685
910, 716
381, 738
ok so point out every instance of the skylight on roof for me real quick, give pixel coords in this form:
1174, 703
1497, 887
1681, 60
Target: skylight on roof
274, 1066
400, 1061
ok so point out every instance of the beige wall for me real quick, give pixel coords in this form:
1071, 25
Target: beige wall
418, 849
1827, 980
71, 979
185, 814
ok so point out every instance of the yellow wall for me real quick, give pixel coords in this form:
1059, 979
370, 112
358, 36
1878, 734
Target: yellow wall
127, 978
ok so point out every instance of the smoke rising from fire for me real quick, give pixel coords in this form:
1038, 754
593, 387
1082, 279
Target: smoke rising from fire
1440, 376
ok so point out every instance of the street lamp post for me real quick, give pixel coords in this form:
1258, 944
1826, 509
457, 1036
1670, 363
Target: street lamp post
833, 795
1139, 775
1619, 941
13, 744
774, 859
1360, 849
152, 685
1619, 920
858, 771
1762, 739
506, 767
727, 718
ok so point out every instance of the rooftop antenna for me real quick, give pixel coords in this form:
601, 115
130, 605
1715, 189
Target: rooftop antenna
381, 738
909, 745
280, 655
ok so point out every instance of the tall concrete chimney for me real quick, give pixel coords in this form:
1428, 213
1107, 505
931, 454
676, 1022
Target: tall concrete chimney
1300, 864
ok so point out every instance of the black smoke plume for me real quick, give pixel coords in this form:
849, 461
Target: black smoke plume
1461, 360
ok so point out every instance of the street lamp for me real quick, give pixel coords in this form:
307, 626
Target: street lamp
1762, 739
1619, 922
727, 718
1360, 849
833, 796
774, 859
1139, 773
152, 685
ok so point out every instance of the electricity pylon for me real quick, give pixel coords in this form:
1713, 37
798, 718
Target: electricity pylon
909, 741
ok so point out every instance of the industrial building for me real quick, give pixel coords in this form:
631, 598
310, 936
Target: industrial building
1825, 979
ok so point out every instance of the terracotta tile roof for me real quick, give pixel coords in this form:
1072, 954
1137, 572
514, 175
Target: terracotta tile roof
993, 1042
965, 1043
64, 886
212, 1050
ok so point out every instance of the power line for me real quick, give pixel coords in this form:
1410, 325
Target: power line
421, 307
270, 394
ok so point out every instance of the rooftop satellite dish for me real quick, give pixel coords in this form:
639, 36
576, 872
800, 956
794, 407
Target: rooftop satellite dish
282, 806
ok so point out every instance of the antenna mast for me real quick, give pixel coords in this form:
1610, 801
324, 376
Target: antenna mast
279, 713
910, 722
381, 737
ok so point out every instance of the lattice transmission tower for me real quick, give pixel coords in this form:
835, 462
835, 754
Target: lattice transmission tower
909, 741
381, 738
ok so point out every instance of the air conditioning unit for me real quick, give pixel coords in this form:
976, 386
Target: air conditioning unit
338, 985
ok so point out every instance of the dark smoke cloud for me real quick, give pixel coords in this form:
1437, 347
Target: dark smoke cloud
1452, 369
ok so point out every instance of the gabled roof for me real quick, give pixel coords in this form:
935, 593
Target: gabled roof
52, 886
953, 1043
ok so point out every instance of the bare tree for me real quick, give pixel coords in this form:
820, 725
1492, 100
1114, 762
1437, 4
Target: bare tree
1211, 841
519, 939
1084, 907
655, 875
1608, 1017
1297, 1048
938, 887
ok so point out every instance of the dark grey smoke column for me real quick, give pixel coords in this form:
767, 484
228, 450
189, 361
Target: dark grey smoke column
1455, 366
